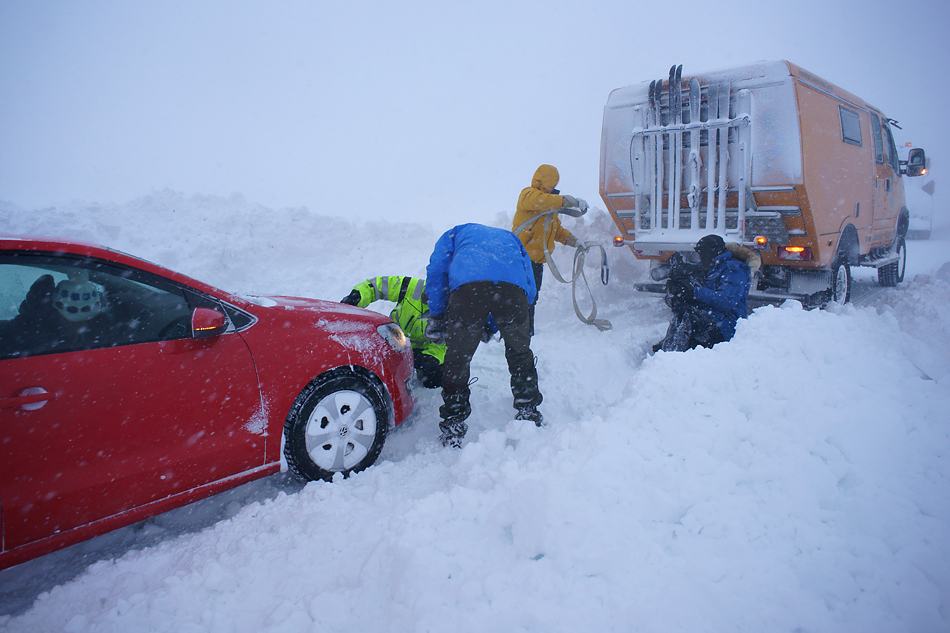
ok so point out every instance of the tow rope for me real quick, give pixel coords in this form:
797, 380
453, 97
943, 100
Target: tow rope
579, 256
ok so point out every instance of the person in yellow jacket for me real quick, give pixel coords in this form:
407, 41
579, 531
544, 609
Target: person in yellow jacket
411, 314
533, 202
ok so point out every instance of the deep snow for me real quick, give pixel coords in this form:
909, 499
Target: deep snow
794, 479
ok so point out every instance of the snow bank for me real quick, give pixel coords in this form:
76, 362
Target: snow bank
793, 479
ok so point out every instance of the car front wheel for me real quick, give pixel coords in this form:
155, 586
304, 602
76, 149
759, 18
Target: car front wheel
338, 424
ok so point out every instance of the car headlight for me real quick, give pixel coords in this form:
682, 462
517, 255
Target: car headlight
394, 336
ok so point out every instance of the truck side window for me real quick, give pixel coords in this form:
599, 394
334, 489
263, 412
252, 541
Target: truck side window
892, 159
850, 126
878, 139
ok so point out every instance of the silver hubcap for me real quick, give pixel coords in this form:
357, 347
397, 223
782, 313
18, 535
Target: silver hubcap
341, 431
841, 284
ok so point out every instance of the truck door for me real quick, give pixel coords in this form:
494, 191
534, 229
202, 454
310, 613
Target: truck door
886, 181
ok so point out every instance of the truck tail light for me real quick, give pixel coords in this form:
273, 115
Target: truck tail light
618, 240
794, 253
761, 242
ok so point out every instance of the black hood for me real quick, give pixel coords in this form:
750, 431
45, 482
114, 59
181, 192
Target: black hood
709, 248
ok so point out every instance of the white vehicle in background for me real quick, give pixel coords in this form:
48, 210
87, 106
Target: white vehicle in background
919, 195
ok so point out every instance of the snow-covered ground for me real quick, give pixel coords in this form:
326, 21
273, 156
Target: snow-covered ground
794, 479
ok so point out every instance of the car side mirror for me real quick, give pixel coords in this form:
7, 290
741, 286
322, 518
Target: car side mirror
916, 163
206, 322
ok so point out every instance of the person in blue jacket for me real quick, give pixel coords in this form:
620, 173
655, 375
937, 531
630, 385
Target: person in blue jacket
706, 313
477, 271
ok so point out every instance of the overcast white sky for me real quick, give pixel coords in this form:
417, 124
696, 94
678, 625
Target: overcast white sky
407, 110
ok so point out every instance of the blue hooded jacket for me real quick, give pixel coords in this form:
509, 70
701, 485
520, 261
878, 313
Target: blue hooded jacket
474, 252
725, 292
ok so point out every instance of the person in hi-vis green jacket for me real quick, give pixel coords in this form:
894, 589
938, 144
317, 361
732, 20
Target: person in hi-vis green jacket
411, 314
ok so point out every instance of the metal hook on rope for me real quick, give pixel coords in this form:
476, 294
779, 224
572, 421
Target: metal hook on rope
579, 256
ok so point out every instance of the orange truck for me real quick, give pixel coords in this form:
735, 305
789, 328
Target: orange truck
769, 156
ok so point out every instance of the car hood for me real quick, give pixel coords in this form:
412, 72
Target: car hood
326, 310
293, 321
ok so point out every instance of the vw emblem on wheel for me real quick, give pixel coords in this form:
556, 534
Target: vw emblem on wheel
344, 431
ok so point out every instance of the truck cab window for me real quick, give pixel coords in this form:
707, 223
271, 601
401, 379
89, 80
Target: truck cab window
892, 158
878, 139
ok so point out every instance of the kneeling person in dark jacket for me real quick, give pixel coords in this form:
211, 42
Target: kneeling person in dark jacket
475, 272
706, 313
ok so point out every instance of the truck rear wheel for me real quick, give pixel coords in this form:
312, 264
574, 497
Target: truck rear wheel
841, 281
893, 274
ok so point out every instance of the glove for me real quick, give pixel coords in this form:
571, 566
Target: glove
680, 289
435, 329
682, 272
569, 202
352, 299
582, 205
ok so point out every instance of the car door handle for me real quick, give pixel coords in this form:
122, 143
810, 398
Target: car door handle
30, 399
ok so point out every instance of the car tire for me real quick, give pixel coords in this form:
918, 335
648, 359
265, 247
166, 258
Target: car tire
893, 274
840, 281
338, 424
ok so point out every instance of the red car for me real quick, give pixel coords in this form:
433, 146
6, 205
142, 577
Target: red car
127, 390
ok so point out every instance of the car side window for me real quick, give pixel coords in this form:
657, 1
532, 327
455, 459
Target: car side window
52, 304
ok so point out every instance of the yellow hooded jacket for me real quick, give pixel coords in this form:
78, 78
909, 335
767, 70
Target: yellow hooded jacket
534, 201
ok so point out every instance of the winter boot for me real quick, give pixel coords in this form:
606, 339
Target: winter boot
454, 412
453, 432
527, 397
530, 413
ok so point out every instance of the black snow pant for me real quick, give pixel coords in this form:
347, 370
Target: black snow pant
690, 326
538, 274
428, 369
468, 308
